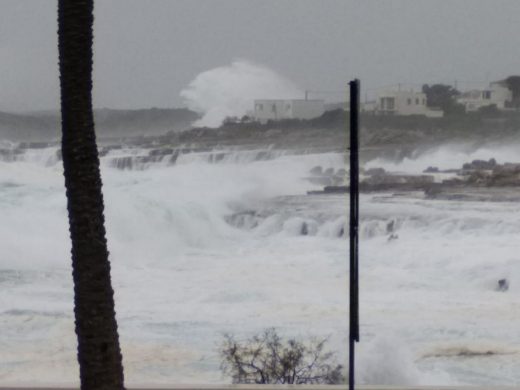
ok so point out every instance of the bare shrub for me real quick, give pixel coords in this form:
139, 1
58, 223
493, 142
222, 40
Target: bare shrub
268, 359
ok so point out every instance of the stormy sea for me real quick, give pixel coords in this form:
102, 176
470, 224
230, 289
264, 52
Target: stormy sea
227, 240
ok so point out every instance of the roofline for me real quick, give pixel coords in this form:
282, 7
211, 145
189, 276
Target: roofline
292, 100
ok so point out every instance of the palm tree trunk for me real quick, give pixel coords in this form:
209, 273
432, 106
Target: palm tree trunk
99, 354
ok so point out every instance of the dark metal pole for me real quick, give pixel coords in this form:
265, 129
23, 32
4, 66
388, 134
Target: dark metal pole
354, 224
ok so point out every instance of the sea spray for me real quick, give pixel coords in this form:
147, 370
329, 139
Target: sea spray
230, 90
449, 156
385, 359
184, 274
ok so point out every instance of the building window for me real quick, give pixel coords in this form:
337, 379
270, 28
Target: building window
409, 101
260, 107
273, 108
486, 95
424, 101
417, 101
388, 103
287, 107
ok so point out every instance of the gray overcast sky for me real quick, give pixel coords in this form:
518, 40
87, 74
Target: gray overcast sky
146, 52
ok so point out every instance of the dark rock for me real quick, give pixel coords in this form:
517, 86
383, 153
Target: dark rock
375, 172
33, 145
160, 152
507, 175
329, 172
131, 162
122, 162
247, 219
304, 229
317, 170
217, 157
507, 168
418, 179
337, 180
452, 181
10, 155
480, 164
321, 180
431, 170
341, 232
335, 189
104, 150
502, 285
479, 177
432, 192
399, 179
173, 158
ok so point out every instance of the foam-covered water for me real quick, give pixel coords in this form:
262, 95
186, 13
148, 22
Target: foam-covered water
204, 245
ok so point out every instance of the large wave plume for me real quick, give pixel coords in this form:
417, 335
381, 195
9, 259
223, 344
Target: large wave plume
231, 90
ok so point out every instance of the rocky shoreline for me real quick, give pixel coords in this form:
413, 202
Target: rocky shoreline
389, 138
478, 180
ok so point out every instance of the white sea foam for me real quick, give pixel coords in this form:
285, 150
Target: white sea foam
184, 274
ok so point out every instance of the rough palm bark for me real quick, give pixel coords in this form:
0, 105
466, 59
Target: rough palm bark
99, 354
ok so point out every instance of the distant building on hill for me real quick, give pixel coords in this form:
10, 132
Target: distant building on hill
369, 106
277, 109
404, 103
498, 94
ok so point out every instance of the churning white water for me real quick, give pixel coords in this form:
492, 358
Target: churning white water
230, 243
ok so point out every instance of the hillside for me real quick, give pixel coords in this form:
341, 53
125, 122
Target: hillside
109, 123
392, 136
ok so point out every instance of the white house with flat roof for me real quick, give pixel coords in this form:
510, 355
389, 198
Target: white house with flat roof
404, 103
277, 109
497, 94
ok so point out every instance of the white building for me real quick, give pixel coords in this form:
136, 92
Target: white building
497, 94
370, 106
277, 109
405, 103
